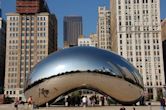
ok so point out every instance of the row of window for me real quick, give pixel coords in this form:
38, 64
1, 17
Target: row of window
12, 75
138, 36
13, 47
13, 24
12, 92
12, 80
137, 1
138, 53
28, 34
14, 18
27, 18
12, 69
12, 58
13, 29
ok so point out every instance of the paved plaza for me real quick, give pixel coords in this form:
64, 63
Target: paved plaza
25, 107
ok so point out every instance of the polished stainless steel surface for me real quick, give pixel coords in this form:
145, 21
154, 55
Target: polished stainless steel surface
84, 60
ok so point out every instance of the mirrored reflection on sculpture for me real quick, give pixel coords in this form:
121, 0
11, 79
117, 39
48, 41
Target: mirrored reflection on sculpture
84, 67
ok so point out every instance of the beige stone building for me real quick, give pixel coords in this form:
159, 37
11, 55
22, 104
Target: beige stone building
136, 35
92, 40
103, 28
30, 38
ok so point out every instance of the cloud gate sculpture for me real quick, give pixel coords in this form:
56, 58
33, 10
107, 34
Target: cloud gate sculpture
84, 67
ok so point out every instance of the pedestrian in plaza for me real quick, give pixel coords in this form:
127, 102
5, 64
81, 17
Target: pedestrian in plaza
142, 100
30, 100
134, 108
162, 103
92, 98
122, 108
16, 103
84, 101
66, 101
69, 100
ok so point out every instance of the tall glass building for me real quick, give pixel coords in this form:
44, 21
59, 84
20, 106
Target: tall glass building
73, 28
163, 33
2, 52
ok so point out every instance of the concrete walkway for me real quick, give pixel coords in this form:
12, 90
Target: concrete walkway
104, 108
25, 107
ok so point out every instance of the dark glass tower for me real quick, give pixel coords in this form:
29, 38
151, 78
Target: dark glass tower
0, 12
164, 55
2, 52
73, 28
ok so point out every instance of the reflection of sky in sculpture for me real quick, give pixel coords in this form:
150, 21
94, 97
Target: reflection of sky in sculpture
83, 59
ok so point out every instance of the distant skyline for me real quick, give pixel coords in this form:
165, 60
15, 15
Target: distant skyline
85, 8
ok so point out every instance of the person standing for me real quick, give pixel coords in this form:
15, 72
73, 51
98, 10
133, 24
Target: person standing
123, 108
16, 103
84, 101
66, 101
162, 103
93, 100
102, 101
30, 102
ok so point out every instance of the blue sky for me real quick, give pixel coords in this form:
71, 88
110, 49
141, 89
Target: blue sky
85, 8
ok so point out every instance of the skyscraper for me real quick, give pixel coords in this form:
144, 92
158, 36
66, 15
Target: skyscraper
103, 28
31, 36
73, 28
163, 28
136, 35
2, 52
164, 56
0, 10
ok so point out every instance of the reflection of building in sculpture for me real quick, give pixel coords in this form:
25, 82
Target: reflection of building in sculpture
99, 70
126, 73
136, 35
32, 35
